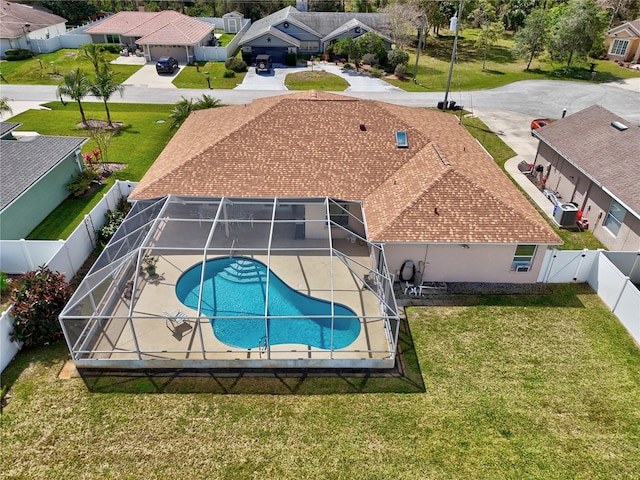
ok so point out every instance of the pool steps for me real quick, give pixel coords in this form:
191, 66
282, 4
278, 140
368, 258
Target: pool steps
243, 271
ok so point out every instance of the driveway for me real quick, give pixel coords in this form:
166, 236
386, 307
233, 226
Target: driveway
148, 77
275, 80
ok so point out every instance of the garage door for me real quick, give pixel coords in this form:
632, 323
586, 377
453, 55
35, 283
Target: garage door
278, 55
177, 52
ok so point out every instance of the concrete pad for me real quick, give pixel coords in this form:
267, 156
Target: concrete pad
273, 80
18, 107
148, 77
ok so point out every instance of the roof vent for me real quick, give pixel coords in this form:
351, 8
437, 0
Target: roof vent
619, 126
363, 127
401, 140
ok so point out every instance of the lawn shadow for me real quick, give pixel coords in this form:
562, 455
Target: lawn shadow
405, 377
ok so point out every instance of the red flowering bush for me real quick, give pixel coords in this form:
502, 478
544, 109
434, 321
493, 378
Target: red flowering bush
38, 298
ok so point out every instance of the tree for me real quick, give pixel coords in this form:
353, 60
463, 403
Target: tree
484, 16
94, 53
75, 12
38, 298
530, 40
515, 12
184, 107
405, 18
105, 86
4, 106
370, 43
580, 26
75, 86
347, 46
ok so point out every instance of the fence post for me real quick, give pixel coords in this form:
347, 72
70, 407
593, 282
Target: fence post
27, 256
584, 254
72, 268
624, 286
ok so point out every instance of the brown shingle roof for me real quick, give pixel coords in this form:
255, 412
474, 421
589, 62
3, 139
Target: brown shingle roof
310, 144
610, 156
14, 16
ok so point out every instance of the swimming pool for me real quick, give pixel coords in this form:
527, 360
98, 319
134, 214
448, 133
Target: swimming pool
236, 287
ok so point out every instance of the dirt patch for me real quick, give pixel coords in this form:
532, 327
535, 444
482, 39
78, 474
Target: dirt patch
99, 124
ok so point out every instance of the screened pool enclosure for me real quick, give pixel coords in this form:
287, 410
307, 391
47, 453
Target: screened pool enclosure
238, 283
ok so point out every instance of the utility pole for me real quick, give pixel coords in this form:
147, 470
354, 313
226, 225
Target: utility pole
453, 55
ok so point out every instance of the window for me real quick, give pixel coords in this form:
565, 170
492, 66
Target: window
614, 218
111, 38
523, 258
339, 213
309, 46
619, 47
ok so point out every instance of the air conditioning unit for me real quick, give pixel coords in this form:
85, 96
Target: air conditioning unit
522, 267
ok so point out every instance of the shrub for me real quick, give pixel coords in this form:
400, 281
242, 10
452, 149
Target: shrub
236, 64
368, 59
400, 71
114, 219
81, 181
38, 298
292, 59
18, 54
229, 74
397, 57
4, 282
109, 47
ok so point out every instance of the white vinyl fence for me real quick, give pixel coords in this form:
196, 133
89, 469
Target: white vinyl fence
66, 256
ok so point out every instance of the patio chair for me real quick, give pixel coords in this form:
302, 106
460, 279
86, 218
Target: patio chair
177, 323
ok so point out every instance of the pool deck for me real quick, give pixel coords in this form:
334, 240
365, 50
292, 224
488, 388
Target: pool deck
194, 344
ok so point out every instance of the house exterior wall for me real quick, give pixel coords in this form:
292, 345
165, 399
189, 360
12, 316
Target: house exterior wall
23, 215
632, 53
574, 186
297, 32
454, 263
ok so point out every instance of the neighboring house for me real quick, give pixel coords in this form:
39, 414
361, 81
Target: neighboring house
291, 31
592, 158
19, 24
429, 192
34, 172
165, 33
623, 42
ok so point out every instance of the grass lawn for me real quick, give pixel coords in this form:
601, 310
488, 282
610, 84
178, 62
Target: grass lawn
190, 77
315, 81
137, 144
502, 67
497, 387
50, 68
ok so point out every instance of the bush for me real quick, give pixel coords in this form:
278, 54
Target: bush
109, 47
114, 219
229, 74
368, 59
292, 59
236, 64
4, 283
17, 54
81, 181
400, 71
38, 298
395, 58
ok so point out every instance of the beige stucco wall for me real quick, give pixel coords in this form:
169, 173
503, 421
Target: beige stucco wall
574, 186
454, 263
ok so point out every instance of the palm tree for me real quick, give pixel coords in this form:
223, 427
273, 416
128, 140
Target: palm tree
75, 86
105, 86
185, 106
94, 53
4, 106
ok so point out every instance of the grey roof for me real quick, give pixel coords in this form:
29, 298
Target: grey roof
609, 156
6, 127
320, 24
24, 162
14, 16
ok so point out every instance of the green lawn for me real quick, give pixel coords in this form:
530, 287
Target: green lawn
502, 67
50, 68
315, 81
192, 77
137, 144
517, 386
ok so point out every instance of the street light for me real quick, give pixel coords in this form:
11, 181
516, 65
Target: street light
453, 55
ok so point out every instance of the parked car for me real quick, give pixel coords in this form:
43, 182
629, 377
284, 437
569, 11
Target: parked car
538, 123
263, 63
166, 65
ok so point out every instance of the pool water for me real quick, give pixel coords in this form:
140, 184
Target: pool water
236, 287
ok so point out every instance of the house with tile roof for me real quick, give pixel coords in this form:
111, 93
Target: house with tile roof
435, 197
19, 24
292, 31
34, 172
165, 33
623, 42
592, 158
